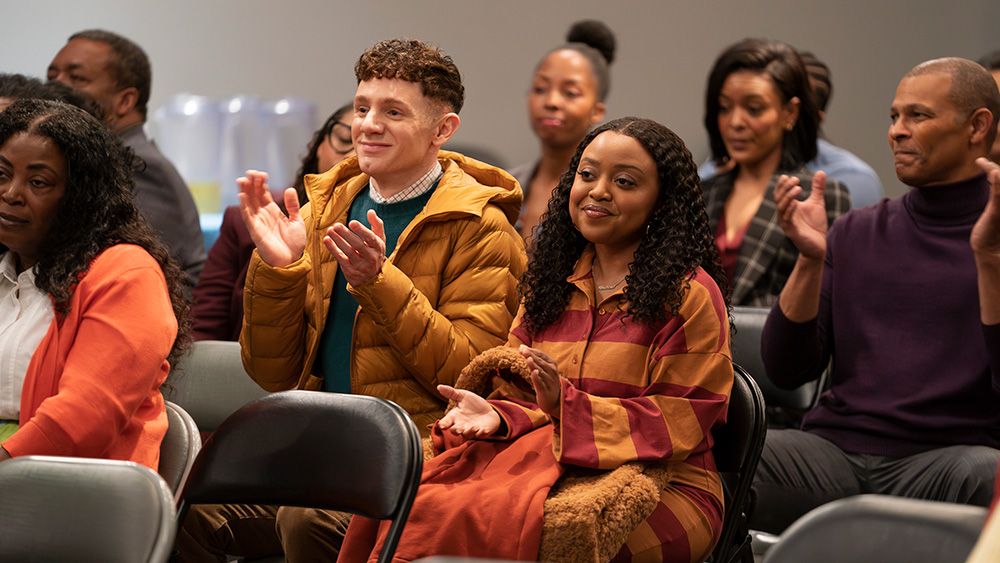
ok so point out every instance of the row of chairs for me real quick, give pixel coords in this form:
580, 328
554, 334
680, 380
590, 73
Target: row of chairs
72, 509
211, 399
265, 453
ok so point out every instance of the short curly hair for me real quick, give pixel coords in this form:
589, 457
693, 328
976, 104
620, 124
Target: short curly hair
414, 61
676, 243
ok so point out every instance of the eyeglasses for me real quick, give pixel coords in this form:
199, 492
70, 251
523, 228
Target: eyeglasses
339, 138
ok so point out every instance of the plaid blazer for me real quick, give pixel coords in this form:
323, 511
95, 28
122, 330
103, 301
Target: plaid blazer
766, 257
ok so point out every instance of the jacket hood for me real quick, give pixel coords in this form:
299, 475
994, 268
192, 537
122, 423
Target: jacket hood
467, 186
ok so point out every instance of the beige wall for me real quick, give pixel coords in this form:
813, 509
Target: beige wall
308, 47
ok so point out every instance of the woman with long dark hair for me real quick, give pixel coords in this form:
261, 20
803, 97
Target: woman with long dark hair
92, 313
762, 121
625, 334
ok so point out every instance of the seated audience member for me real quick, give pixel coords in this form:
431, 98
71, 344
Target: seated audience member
116, 73
903, 296
626, 334
992, 64
17, 86
762, 121
566, 99
217, 312
91, 308
391, 309
838, 163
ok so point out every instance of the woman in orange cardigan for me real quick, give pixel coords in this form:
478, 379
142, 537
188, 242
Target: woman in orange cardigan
91, 310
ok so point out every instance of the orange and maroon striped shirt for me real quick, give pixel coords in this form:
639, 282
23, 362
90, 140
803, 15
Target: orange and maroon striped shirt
639, 392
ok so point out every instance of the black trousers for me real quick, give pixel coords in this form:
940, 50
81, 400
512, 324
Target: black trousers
800, 471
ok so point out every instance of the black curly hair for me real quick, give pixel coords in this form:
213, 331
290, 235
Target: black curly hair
677, 240
310, 163
97, 209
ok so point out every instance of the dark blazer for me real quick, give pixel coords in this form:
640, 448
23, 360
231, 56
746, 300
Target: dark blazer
217, 313
766, 257
166, 203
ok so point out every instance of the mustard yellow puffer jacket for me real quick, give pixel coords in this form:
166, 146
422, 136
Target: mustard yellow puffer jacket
447, 292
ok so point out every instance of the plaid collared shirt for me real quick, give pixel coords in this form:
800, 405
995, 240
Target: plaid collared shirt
416, 189
766, 256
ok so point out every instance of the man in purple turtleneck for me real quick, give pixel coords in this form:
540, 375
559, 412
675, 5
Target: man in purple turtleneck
905, 297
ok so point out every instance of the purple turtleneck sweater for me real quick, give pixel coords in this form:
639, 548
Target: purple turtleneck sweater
914, 368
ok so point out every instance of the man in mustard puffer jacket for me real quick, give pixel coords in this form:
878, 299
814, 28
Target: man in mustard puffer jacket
402, 267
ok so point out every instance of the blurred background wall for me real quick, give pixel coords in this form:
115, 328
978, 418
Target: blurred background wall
307, 48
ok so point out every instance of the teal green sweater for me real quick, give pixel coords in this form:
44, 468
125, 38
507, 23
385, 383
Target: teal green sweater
335, 346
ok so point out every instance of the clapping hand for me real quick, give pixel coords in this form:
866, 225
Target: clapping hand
360, 251
803, 222
280, 239
545, 379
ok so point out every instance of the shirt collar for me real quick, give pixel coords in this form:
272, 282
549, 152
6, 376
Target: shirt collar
8, 271
416, 189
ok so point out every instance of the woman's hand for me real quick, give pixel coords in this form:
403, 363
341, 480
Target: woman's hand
804, 222
545, 379
472, 417
280, 240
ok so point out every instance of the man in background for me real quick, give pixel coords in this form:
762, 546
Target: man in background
116, 73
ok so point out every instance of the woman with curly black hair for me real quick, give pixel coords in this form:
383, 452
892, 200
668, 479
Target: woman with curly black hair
92, 312
625, 334
217, 312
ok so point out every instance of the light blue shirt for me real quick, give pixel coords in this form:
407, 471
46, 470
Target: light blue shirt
839, 164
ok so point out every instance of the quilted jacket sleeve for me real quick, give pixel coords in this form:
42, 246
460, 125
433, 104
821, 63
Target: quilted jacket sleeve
477, 302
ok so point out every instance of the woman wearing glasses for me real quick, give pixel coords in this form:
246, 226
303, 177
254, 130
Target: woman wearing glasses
217, 312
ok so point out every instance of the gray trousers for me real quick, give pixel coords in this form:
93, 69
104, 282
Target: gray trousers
800, 471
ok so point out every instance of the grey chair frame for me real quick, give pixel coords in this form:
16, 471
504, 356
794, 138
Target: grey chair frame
881, 528
179, 448
352, 453
209, 382
80, 509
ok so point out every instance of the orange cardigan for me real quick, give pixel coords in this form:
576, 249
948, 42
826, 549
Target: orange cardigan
92, 388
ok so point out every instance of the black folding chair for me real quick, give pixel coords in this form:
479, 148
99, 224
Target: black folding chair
737, 449
784, 407
351, 453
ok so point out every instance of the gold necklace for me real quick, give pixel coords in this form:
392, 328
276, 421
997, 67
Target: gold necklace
610, 287
607, 287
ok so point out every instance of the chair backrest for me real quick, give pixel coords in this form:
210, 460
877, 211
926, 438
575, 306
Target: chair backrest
352, 453
749, 323
179, 448
881, 528
738, 444
76, 509
209, 382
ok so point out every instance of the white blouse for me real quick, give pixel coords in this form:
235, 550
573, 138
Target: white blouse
25, 315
